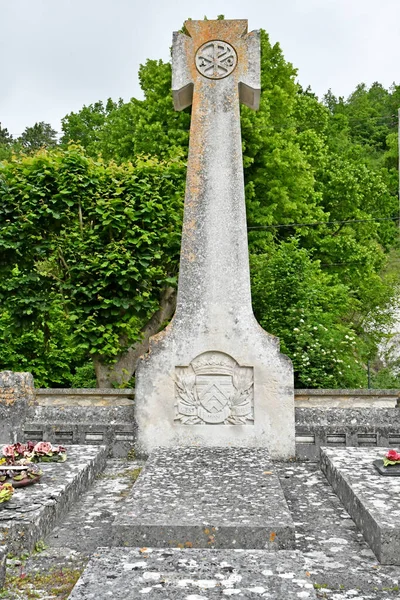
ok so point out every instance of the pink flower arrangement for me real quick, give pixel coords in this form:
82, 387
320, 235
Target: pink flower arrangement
16, 451
43, 448
392, 457
30, 452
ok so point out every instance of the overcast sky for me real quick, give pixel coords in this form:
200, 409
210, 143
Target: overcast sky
57, 55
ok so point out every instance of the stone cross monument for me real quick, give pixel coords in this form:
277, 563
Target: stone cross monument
213, 377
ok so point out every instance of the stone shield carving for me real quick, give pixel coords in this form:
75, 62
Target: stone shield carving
214, 389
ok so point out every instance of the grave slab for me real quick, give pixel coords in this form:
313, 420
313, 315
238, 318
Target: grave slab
206, 498
370, 499
33, 511
197, 574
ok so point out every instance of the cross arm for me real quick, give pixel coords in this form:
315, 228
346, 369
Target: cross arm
182, 82
250, 79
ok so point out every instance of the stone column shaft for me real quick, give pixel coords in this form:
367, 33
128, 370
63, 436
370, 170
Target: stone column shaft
214, 280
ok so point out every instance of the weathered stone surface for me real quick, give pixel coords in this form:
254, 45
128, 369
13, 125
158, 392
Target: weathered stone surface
194, 575
84, 416
213, 377
3, 557
95, 511
113, 426
323, 418
84, 397
337, 559
34, 511
206, 498
17, 395
355, 398
366, 427
370, 499
304, 398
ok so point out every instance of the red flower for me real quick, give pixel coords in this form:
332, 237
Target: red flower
393, 455
30, 446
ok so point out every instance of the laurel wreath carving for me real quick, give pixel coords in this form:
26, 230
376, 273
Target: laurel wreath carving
242, 380
185, 380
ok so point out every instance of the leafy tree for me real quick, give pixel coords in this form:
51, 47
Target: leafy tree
48, 349
6, 140
100, 239
40, 135
295, 300
86, 126
5, 136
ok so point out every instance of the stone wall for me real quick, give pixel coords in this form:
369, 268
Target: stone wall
84, 416
346, 398
17, 399
104, 416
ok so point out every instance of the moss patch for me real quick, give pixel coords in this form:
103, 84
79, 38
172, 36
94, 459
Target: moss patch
55, 583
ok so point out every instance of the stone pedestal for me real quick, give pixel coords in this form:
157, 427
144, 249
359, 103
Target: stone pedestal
17, 395
214, 377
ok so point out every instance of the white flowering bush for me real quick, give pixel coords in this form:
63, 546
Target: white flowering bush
310, 313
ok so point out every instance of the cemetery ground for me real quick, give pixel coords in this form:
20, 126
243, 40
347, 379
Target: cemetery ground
338, 562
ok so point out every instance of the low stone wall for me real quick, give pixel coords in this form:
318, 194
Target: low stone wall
346, 398
345, 418
84, 416
106, 416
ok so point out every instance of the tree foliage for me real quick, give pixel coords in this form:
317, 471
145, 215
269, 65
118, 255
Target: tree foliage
97, 232
5, 143
87, 126
40, 135
101, 240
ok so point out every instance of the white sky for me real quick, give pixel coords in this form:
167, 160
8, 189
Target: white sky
57, 55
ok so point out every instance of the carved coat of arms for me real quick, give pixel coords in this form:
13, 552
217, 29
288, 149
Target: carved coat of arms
214, 389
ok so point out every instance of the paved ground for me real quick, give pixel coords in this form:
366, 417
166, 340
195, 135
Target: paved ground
339, 563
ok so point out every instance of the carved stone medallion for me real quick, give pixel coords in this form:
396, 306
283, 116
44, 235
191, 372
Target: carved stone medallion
214, 389
216, 59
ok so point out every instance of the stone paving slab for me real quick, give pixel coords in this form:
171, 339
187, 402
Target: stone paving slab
33, 511
370, 499
206, 498
93, 515
196, 574
339, 562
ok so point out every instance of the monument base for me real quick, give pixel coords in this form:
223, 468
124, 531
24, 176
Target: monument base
370, 499
226, 386
206, 498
